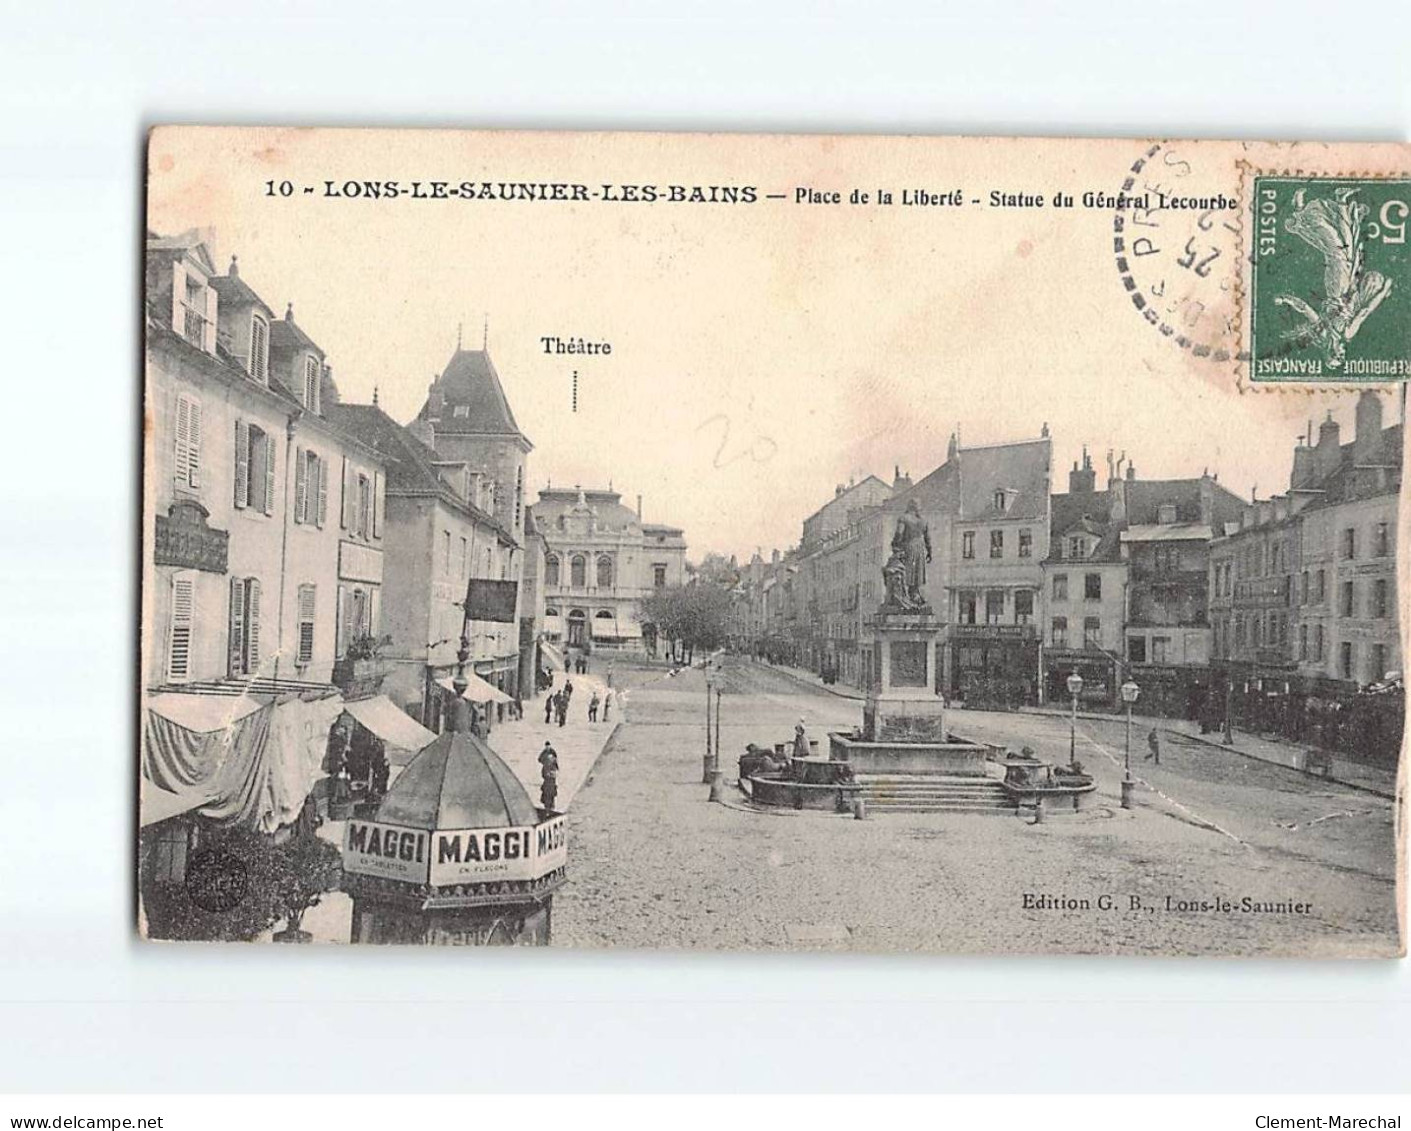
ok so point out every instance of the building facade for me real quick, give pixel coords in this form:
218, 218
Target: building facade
438, 539
482, 453
266, 518
600, 560
998, 541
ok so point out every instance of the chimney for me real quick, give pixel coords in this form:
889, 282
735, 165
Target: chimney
639, 508
1082, 481
1117, 509
1304, 466
1131, 472
1207, 500
1367, 447
774, 557
1329, 453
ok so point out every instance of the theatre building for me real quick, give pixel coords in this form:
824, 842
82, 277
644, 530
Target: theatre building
600, 560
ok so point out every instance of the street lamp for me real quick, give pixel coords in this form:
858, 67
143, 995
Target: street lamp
1075, 688
1130, 691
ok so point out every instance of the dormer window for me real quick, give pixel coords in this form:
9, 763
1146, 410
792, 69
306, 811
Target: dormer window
1077, 548
1166, 514
312, 373
460, 410
259, 349
1001, 498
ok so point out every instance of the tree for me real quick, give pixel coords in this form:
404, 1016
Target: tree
688, 617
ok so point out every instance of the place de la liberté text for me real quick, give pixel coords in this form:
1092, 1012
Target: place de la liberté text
912, 196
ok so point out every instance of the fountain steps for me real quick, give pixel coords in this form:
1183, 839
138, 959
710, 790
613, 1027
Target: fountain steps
889, 794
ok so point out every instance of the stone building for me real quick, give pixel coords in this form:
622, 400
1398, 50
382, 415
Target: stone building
467, 422
600, 560
1305, 583
998, 540
438, 538
1084, 592
265, 519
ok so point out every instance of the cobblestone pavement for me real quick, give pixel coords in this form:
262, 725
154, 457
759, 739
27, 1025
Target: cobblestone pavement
653, 864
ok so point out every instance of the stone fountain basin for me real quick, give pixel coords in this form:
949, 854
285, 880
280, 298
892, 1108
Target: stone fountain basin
955, 757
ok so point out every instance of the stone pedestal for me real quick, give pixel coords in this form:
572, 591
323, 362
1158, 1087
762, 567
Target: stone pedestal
902, 706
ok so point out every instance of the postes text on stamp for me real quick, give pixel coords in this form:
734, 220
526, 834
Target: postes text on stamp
1330, 288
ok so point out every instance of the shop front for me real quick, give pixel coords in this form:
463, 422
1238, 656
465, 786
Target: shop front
994, 665
1101, 676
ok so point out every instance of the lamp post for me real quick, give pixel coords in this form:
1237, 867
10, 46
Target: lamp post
1075, 688
1130, 691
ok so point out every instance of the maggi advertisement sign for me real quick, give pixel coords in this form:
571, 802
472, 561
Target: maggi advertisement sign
443, 857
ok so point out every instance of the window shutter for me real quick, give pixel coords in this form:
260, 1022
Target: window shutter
208, 332
322, 513
252, 625
259, 349
378, 491
178, 298
242, 463
183, 439
345, 519
374, 612
193, 447
269, 474
236, 639
301, 487
340, 631
183, 599
307, 608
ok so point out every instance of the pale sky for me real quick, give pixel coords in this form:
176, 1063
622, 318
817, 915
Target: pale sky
761, 353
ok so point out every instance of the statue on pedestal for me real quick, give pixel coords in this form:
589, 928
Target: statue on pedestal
904, 575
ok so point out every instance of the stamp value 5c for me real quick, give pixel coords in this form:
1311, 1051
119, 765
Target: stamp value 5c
1330, 288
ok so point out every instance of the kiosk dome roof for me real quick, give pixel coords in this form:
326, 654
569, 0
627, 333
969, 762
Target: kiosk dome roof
457, 782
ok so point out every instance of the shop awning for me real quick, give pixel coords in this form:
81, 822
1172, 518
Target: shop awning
605, 628
553, 655
477, 690
391, 724
202, 713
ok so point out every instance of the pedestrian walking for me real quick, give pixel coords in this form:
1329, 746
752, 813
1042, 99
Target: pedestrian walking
567, 690
1153, 747
607, 704
549, 772
593, 704
549, 708
561, 707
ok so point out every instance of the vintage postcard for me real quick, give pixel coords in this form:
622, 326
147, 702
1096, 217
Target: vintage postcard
949, 545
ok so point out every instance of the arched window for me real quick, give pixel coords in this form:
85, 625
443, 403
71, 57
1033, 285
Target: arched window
577, 572
551, 570
604, 572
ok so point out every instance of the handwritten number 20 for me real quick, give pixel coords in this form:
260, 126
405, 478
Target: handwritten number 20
761, 449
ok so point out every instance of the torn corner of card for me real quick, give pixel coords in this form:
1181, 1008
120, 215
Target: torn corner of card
859, 543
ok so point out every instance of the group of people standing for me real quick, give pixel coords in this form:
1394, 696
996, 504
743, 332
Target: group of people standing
556, 705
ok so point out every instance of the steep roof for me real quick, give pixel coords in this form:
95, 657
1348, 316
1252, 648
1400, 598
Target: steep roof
411, 466
1340, 484
1021, 469
471, 383
234, 291
285, 334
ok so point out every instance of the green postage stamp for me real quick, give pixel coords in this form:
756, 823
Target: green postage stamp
1330, 290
